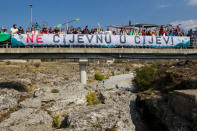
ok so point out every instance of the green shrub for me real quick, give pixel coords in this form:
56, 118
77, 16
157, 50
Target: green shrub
99, 77
66, 78
56, 121
118, 61
113, 74
92, 99
145, 77
54, 91
127, 69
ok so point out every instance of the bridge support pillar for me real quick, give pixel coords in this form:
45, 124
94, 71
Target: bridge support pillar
83, 72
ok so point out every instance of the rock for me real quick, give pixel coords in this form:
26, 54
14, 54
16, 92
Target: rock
114, 113
38, 92
158, 112
31, 103
119, 81
66, 122
37, 112
188, 102
8, 98
17, 117
28, 120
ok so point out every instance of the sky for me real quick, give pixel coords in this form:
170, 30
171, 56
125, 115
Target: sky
105, 12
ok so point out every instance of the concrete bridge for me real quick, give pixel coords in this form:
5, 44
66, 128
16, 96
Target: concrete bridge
91, 53
83, 54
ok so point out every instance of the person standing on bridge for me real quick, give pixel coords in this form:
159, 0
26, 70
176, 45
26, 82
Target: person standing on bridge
35, 32
14, 30
86, 30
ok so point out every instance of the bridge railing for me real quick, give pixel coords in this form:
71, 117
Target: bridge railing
7, 44
193, 40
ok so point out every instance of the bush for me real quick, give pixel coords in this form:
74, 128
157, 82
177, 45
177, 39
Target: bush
66, 78
99, 77
54, 91
92, 99
145, 77
127, 69
56, 121
118, 61
113, 74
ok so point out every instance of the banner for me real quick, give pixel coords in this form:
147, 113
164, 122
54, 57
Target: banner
4, 37
99, 40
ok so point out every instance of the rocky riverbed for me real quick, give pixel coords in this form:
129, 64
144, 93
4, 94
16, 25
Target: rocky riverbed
48, 96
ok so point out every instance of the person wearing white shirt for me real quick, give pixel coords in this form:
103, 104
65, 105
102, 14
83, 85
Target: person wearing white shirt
108, 32
14, 30
35, 32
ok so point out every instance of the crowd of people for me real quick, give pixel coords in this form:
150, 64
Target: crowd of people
159, 31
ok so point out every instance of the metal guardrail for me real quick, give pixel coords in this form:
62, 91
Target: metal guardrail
193, 41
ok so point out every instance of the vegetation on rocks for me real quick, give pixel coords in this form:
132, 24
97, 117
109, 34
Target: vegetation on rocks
56, 121
118, 61
156, 104
99, 77
5, 114
145, 77
92, 99
54, 91
166, 77
127, 69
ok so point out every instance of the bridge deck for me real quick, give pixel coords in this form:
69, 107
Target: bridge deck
66, 53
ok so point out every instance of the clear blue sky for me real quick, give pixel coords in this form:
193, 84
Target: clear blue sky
106, 12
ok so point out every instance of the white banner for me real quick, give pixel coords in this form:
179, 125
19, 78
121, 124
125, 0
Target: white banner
99, 40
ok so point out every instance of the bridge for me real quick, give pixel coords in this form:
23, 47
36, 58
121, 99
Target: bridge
83, 54
97, 53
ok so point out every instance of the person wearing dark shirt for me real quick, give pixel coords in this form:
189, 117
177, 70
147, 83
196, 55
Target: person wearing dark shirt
176, 33
50, 30
55, 30
21, 30
190, 32
75, 31
5, 31
85, 30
